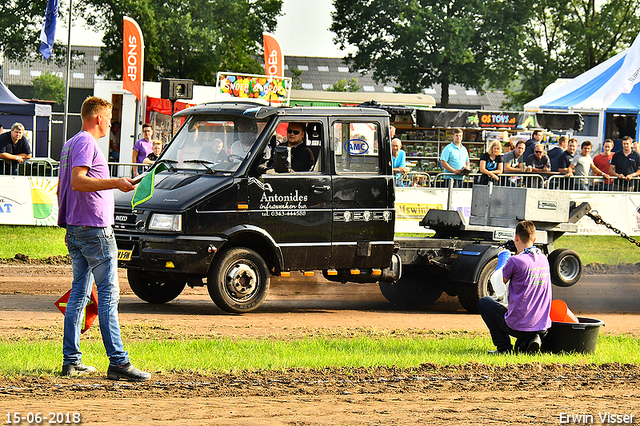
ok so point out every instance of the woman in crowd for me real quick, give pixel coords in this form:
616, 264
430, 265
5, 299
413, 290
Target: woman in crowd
491, 164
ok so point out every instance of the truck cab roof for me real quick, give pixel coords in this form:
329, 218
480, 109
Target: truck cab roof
259, 111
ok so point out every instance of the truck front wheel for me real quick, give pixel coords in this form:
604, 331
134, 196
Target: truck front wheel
239, 280
470, 293
417, 287
154, 289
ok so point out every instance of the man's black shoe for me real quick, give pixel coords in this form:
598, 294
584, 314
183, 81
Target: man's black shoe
497, 352
77, 369
127, 372
534, 344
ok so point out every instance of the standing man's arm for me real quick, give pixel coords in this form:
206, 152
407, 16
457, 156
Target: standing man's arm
612, 170
83, 183
598, 172
12, 157
564, 162
134, 159
448, 168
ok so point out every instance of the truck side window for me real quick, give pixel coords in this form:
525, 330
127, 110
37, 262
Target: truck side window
305, 140
355, 147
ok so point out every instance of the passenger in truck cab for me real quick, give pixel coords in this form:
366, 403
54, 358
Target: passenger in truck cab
302, 158
214, 151
247, 131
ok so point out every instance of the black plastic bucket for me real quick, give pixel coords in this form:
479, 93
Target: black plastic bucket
572, 337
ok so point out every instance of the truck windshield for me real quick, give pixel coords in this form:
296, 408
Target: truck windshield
213, 143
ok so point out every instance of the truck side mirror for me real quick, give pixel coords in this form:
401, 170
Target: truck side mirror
283, 159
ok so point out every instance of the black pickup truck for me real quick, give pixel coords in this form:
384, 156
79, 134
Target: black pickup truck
228, 209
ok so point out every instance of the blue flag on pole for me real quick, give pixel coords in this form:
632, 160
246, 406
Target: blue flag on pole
48, 33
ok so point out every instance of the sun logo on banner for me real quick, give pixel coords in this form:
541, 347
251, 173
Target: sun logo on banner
44, 201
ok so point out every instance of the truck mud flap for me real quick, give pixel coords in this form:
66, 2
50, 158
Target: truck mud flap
470, 260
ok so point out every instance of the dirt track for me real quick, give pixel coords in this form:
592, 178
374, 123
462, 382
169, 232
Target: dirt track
471, 394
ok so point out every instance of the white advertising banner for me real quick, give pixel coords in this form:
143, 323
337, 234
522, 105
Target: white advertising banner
34, 201
619, 209
28, 201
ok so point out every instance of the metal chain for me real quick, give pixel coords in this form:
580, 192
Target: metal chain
598, 220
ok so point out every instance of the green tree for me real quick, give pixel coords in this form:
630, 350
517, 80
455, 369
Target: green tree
569, 39
186, 38
18, 36
418, 43
344, 85
49, 87
20, 24
296, 79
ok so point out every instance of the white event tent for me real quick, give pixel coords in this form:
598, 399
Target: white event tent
607, 96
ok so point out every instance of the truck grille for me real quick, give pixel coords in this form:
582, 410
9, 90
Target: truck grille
126, 220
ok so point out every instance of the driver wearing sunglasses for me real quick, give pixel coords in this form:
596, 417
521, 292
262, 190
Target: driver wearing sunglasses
302, 159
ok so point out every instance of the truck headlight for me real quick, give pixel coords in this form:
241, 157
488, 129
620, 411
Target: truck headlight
165, 222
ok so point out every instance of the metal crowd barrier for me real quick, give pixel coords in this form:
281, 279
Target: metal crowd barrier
441, 180
416, 180
592, 183
40, 167
126, 169
47, 167
521, 180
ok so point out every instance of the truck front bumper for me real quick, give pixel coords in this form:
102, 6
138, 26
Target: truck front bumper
175, 254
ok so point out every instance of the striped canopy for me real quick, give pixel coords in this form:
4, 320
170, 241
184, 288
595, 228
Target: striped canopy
612, 85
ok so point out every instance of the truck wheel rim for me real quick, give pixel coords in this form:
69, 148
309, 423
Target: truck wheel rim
241, 281
569, 268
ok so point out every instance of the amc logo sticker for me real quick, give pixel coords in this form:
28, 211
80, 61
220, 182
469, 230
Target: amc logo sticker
356, 147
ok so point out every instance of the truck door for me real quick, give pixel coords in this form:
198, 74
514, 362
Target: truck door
363, 194
295, 208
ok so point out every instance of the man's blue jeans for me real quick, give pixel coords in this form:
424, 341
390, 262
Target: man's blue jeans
94, 254
493, 314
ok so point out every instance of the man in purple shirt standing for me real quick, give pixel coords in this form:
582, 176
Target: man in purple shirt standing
527, 315
142, 147
86, 205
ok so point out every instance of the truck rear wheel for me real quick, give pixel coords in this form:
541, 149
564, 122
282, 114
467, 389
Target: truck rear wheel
239, 280
469, 293
565, 266
152, 288
416, 288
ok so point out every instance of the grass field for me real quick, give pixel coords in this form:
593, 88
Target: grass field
42, 242
19, 357
210, 356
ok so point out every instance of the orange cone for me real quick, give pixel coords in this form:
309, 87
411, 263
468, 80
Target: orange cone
561, 313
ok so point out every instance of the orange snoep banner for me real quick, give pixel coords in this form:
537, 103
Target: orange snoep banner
132, 57
273, 57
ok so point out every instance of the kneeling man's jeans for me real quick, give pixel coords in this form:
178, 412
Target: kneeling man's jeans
493, 314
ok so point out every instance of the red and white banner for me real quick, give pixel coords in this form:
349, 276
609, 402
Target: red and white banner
273, 57
132, 57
